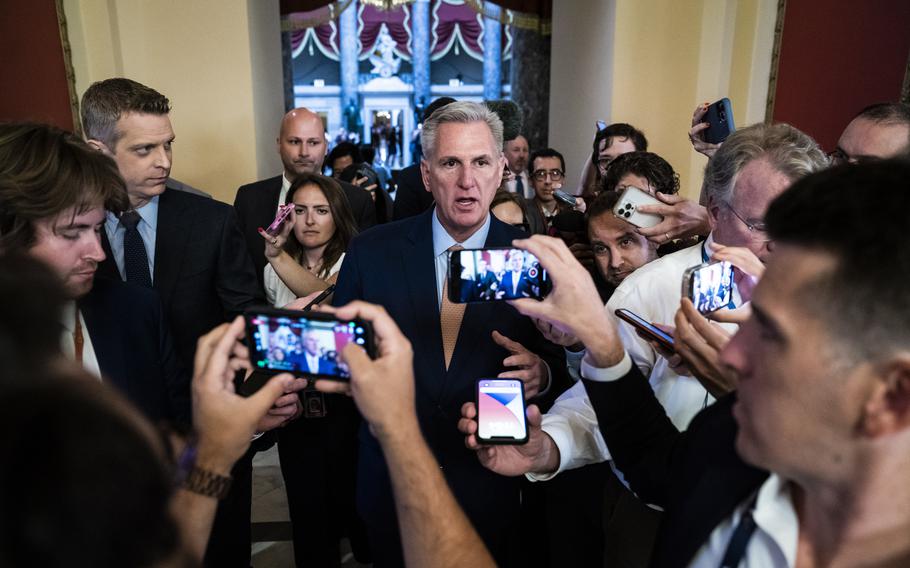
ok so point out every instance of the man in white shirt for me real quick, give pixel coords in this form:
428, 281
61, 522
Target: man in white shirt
805, 465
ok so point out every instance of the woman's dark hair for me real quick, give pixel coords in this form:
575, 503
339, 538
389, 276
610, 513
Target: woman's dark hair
82, 483
645, 164
345, 227
341, 150
45, 171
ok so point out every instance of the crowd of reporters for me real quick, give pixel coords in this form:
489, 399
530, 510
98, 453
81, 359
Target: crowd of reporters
131, 436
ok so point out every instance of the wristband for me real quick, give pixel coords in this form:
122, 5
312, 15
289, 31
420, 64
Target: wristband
207, 483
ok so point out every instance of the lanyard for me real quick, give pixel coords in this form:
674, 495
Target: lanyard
739, 542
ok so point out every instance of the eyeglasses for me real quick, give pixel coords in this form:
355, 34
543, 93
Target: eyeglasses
756, 227
541, 175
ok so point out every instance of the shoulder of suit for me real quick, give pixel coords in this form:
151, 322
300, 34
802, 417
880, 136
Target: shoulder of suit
380, 236
258, 185
199, 204
122, 294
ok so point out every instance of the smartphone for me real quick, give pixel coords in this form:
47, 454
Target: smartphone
629, 201
283, 212
303, 343
719, 117
646, 327
489, 274
564, 197
709, 286
501, 412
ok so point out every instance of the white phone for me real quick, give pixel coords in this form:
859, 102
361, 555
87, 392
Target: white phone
627, 207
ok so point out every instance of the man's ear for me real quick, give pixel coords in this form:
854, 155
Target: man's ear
425, 173
713, 208
100, 146
887, 410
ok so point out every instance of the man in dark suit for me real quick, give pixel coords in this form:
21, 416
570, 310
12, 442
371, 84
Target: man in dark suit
116, 331
302, 147
402, 266
805, 464
187, 247
515, 282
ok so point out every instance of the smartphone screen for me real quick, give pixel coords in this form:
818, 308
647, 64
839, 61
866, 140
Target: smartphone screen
484, 275
303, 343
501, 412
647, 327
710, 286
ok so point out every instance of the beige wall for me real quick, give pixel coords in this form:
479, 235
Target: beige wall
649, 63
218, 61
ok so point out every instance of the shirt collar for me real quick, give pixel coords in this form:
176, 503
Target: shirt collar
442, 240
148, 213
285, 183
68, 316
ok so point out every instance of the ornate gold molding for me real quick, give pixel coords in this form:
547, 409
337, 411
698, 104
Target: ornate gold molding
68, 66
775, 60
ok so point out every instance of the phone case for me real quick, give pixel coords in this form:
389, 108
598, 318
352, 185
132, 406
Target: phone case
630, 200
564, 197
283, 212
719, 117
687, 283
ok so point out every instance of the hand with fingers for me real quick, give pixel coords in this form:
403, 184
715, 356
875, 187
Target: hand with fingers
370, 188
538, 455
274, 244
699, 342
683, 218
383, 388
225, 421
573, 307
527, 367
696, 133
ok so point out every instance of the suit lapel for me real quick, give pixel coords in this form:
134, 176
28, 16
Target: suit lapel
108, 267
171, 237
419, 269
106, 339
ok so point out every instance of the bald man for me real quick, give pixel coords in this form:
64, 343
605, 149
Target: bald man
302, 147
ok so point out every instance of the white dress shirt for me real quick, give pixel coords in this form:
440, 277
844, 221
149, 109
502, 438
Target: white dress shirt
67, 340
512, 185
312, 362
653, 292
283, 194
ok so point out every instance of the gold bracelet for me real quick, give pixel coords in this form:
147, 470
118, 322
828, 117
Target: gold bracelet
208, 483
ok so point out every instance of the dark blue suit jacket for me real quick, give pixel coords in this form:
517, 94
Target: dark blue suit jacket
392, 265
135, 353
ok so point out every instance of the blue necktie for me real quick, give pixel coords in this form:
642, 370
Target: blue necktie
135, 259
519, 186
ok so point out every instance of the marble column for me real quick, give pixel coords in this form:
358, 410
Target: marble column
287, 60
350, 47
420, 51
492, 53
530, 79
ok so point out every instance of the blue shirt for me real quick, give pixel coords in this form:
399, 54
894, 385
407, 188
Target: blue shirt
442, 240
148, 228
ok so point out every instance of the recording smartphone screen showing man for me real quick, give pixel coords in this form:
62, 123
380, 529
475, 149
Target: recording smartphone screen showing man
484, 275
501, 412
709, 286
308, 344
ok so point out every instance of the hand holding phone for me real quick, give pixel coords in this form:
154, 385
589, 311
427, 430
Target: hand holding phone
489, 274
648, 329
303, 343
719, 117
709, 286
564, 197
630, 200
501, 412
284, 211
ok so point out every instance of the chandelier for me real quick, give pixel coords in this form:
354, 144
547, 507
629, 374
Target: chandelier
386, 4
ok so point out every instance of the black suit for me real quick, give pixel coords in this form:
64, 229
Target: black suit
133, 346
256, 204
411, 197
392, 265
204, 277
696, 476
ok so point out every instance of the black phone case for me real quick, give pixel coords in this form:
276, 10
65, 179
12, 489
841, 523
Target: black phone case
501, 441
719, 116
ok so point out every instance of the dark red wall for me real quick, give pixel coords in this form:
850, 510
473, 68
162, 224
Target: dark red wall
838, 56
31, 68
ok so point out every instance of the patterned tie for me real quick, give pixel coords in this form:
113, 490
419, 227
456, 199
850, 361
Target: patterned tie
135, 259
450, 316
